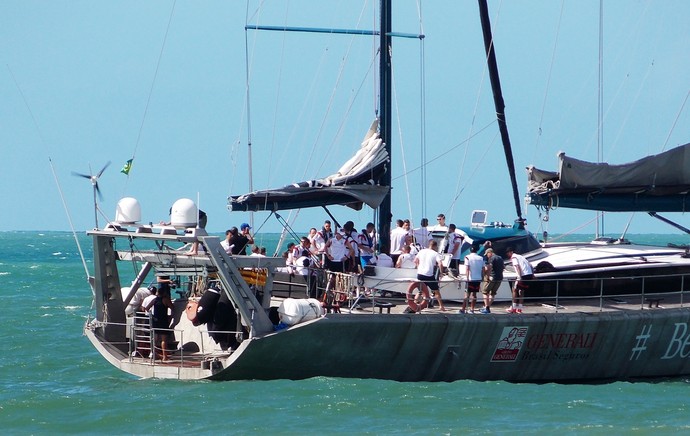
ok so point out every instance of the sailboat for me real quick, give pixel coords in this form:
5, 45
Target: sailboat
226, 324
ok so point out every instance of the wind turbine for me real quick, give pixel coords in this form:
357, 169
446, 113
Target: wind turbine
96, 190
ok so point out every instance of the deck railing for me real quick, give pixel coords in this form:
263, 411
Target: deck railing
642, 289
144, 343
645, 290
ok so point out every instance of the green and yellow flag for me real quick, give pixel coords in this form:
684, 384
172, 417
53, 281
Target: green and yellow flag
128, 166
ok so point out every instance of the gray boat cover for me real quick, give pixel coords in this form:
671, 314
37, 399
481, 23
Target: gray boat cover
654, 183
354, 184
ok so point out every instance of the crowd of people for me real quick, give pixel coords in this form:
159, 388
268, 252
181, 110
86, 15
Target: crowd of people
345, 250
349, 251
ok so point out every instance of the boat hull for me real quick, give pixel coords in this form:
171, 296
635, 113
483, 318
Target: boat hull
581, 347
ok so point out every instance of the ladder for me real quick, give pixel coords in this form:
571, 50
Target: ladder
236, 288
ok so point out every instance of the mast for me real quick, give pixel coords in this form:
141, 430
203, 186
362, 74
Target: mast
385, 108
498, 101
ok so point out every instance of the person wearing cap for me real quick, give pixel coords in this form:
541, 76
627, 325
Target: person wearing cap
245, 228
239, 240
493, 276
524, 271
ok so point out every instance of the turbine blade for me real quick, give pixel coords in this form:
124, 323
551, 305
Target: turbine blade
74, 173
98, 191
103, 169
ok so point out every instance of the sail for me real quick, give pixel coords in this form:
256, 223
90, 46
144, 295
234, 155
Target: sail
356, 183
658, 183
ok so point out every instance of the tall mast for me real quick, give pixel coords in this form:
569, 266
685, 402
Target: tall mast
385, 108
498, 101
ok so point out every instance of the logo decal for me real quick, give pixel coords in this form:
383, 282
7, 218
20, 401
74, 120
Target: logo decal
509, 345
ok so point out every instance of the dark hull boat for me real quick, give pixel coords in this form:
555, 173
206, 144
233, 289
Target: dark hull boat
590, 340
600, 311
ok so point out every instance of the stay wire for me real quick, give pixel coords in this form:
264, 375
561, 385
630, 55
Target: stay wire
402, 143
485, 71
682, 107
548, 79
148, 99
55, 177
422, 118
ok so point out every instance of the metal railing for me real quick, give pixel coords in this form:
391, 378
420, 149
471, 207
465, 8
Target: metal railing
144, 343
648, 290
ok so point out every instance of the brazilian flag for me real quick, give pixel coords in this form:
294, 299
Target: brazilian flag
128, 166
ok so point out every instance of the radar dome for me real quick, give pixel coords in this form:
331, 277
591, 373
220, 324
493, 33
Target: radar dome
128, 211
184, 213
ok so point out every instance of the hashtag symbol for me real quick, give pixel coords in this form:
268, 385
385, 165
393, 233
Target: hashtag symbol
641, 342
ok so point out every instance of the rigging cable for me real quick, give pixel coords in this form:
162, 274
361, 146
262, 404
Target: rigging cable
57, 182
247, 105
548, 79
458, 188
600, 109
148, 99
278, 90
332, 99
422, 99
456, 146
402, 145
682, 107
630, 107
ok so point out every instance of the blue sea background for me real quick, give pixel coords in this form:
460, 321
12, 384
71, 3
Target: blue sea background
52, 381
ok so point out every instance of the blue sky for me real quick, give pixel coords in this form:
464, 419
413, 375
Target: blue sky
87, 82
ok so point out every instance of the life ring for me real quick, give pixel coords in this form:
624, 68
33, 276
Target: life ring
423, 290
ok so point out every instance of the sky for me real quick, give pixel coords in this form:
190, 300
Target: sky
182, 88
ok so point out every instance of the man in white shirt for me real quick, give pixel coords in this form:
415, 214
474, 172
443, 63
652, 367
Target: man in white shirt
524, 271
454, 247
421, 234
225, 243
398, 238
440, 224
474, 265
426, 261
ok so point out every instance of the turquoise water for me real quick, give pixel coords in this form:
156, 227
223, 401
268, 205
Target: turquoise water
53, 381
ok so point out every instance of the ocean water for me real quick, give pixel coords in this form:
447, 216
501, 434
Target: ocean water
53, 382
